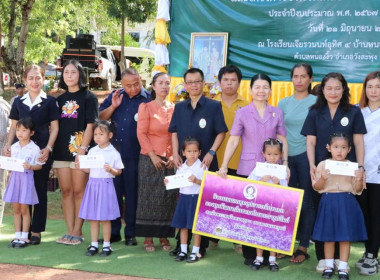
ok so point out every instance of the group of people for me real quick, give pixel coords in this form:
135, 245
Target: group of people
153, 138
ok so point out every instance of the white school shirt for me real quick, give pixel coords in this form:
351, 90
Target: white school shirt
29, 153
111, 157
195, 170
252, 176
371, 145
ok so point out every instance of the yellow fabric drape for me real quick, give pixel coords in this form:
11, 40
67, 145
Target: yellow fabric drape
159, 68
279, 90
161, 33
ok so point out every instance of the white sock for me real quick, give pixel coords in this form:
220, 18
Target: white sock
272, 259
330, 263
342, 265
95, 244
106, 244
260, 259
24, 235
184, 248
195, 250
17, 234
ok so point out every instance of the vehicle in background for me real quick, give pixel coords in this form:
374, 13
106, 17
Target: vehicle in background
99, 61
139, 57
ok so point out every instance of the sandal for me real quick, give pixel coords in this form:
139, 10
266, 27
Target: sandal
149, 246
280, 256
165, 244
75, 240
64, 239
298, 253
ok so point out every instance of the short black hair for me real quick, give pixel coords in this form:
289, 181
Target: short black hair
230, 69
192, 71
26, 122
260, 76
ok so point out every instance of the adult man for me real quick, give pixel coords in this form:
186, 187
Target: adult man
5, 108
229, 80
121, 106
20, 90
201, 118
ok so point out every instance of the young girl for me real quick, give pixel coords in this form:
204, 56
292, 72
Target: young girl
184, 213
99, 203
339, 217
272, 152
21, 190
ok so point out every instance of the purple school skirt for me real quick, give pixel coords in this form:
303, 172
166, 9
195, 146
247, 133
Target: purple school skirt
99, 201
21, 188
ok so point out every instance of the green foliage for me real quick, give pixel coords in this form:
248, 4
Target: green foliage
112, 38
133, 10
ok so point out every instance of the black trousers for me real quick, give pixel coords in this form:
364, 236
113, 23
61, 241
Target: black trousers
39, 211
369, 202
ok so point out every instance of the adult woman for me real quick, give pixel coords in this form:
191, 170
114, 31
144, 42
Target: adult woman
156, 205
44, 112
79, 109
332, 113
296, 108
254, 124
370, 104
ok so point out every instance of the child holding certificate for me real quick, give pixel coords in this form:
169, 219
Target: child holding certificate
339, 217
21, 190
184, 213
99, 203
272, 151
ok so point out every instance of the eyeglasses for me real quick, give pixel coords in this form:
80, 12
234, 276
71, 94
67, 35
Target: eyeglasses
194, 82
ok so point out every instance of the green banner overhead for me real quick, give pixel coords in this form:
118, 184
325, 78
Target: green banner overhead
270, 36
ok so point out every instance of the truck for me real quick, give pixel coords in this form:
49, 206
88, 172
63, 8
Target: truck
99, 61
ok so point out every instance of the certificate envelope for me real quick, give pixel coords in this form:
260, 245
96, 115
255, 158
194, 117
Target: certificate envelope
11, 164
264, 168
178, 181
346, 168
91, 161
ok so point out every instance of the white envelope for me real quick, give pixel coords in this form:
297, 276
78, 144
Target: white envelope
11, 164
346, 168
91, 161
178, 181
264, 168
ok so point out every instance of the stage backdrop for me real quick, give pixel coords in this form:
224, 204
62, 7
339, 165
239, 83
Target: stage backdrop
270, 36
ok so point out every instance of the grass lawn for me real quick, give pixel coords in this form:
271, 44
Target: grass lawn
220, 263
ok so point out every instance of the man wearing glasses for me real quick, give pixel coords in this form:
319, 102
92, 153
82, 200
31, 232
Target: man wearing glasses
121, 107
201, 118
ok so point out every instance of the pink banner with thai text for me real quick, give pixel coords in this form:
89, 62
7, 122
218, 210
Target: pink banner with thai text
248, 212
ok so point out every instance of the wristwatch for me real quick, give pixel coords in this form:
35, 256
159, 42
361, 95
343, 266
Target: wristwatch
212, 152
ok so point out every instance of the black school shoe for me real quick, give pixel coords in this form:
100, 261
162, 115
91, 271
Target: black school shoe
328, 272
106, 251
35, 240
181, 257
91, 251
13, 243
130, 241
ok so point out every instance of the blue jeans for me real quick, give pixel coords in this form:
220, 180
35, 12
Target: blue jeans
300, 178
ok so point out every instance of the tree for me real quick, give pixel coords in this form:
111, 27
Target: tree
132, 11
13, 58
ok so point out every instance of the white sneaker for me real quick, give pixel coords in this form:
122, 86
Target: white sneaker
360, 262
320, 266
370, 265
